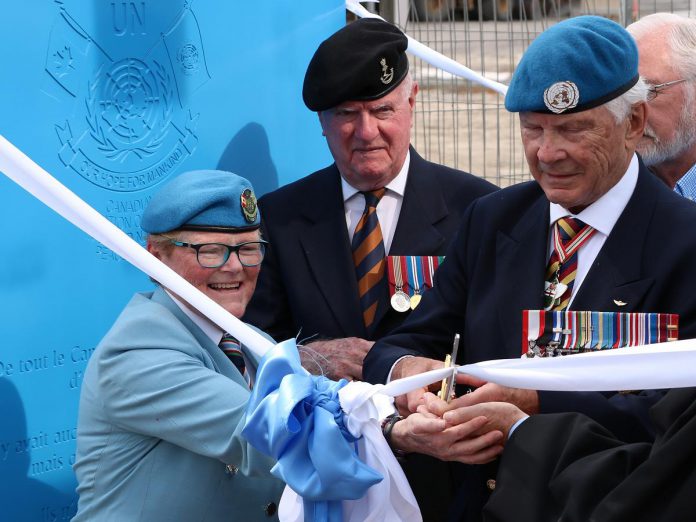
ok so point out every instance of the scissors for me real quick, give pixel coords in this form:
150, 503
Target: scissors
448, 383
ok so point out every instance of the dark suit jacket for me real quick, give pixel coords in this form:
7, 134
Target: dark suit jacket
495, 269
307, 285
567, 467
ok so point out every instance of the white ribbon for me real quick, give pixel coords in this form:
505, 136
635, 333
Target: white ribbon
433, 57
35, 180
391, 499
648, 367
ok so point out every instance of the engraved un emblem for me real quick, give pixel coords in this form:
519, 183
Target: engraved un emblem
561, 96
129, 109
132, 128
387, 72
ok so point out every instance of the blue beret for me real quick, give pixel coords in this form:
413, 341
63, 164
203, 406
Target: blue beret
207, 200
364, 60
573, 66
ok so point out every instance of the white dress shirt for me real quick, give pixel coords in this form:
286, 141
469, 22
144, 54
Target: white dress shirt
388, 209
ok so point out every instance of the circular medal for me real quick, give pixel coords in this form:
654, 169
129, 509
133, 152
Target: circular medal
415, 299
400, 301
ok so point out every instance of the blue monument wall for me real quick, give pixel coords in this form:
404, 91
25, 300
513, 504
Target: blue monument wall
113, 98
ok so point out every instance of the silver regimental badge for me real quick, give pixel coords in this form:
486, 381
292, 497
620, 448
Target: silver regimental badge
387, 72
561, 96
248, 202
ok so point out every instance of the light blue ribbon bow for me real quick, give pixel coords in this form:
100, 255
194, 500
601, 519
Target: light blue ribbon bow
296, 418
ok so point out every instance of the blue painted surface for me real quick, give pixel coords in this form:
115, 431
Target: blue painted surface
112, 98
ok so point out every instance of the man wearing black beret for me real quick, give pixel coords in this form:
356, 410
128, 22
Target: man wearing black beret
595, 231
324, 278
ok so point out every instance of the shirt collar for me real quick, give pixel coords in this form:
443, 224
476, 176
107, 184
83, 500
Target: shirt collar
397, 185
209, 328
603, 214
686, 185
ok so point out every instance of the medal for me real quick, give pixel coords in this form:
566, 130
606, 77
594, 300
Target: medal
400, 301
553, 290
554, 333
415, 278
415, 299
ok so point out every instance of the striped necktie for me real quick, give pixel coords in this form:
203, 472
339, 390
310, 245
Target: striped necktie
233, 350
569, 235
369, 257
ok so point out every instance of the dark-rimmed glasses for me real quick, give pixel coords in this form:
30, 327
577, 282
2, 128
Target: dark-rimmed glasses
214, 255
654, 90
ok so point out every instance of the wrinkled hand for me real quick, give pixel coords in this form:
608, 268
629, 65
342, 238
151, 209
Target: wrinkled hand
422, 432
406, 367
525, 400
336, 358
499, 417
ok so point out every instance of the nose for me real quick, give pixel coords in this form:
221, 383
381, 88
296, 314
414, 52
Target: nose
232, 264
550, 149
366, 128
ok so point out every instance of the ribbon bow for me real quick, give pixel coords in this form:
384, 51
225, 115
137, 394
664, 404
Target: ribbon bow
317, 430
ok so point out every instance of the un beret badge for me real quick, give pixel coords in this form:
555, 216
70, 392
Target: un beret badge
561, 96
249, 209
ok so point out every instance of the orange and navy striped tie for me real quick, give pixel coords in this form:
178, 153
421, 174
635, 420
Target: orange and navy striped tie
369, 257
569, 235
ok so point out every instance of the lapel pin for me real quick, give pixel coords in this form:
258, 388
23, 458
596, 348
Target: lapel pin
618, 302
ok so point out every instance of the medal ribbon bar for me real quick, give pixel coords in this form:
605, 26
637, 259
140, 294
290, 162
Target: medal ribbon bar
552, 333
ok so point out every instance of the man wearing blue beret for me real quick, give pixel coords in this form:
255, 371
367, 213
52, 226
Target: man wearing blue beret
326, 277
594, 231
164, 394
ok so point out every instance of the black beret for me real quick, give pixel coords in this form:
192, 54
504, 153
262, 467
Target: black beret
364, 60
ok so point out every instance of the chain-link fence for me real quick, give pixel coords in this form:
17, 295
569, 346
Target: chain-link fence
460, 124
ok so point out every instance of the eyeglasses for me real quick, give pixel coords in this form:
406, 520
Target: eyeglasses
654, 90
214, 255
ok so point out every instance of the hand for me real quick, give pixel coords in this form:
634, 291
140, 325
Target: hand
500, 417
525, 400
336, 358
422, 432
406, 367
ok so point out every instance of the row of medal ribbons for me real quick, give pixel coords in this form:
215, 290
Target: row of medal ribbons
409, 277
552, 333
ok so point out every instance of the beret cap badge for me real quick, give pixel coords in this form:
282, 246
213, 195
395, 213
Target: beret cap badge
364, 60
248, 204
387, 75
561, 96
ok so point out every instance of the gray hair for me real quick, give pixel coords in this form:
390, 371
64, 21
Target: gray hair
620, 107
680, 35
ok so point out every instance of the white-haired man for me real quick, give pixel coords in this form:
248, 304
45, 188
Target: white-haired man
667, 61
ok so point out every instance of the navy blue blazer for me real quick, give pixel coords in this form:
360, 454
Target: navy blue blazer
495, 269
307, 285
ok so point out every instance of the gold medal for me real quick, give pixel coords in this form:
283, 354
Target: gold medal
415, 299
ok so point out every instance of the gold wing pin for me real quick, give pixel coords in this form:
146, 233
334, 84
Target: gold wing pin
619, 302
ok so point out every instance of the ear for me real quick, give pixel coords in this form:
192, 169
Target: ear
636, 124
153, 249
322, 121
412, 96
